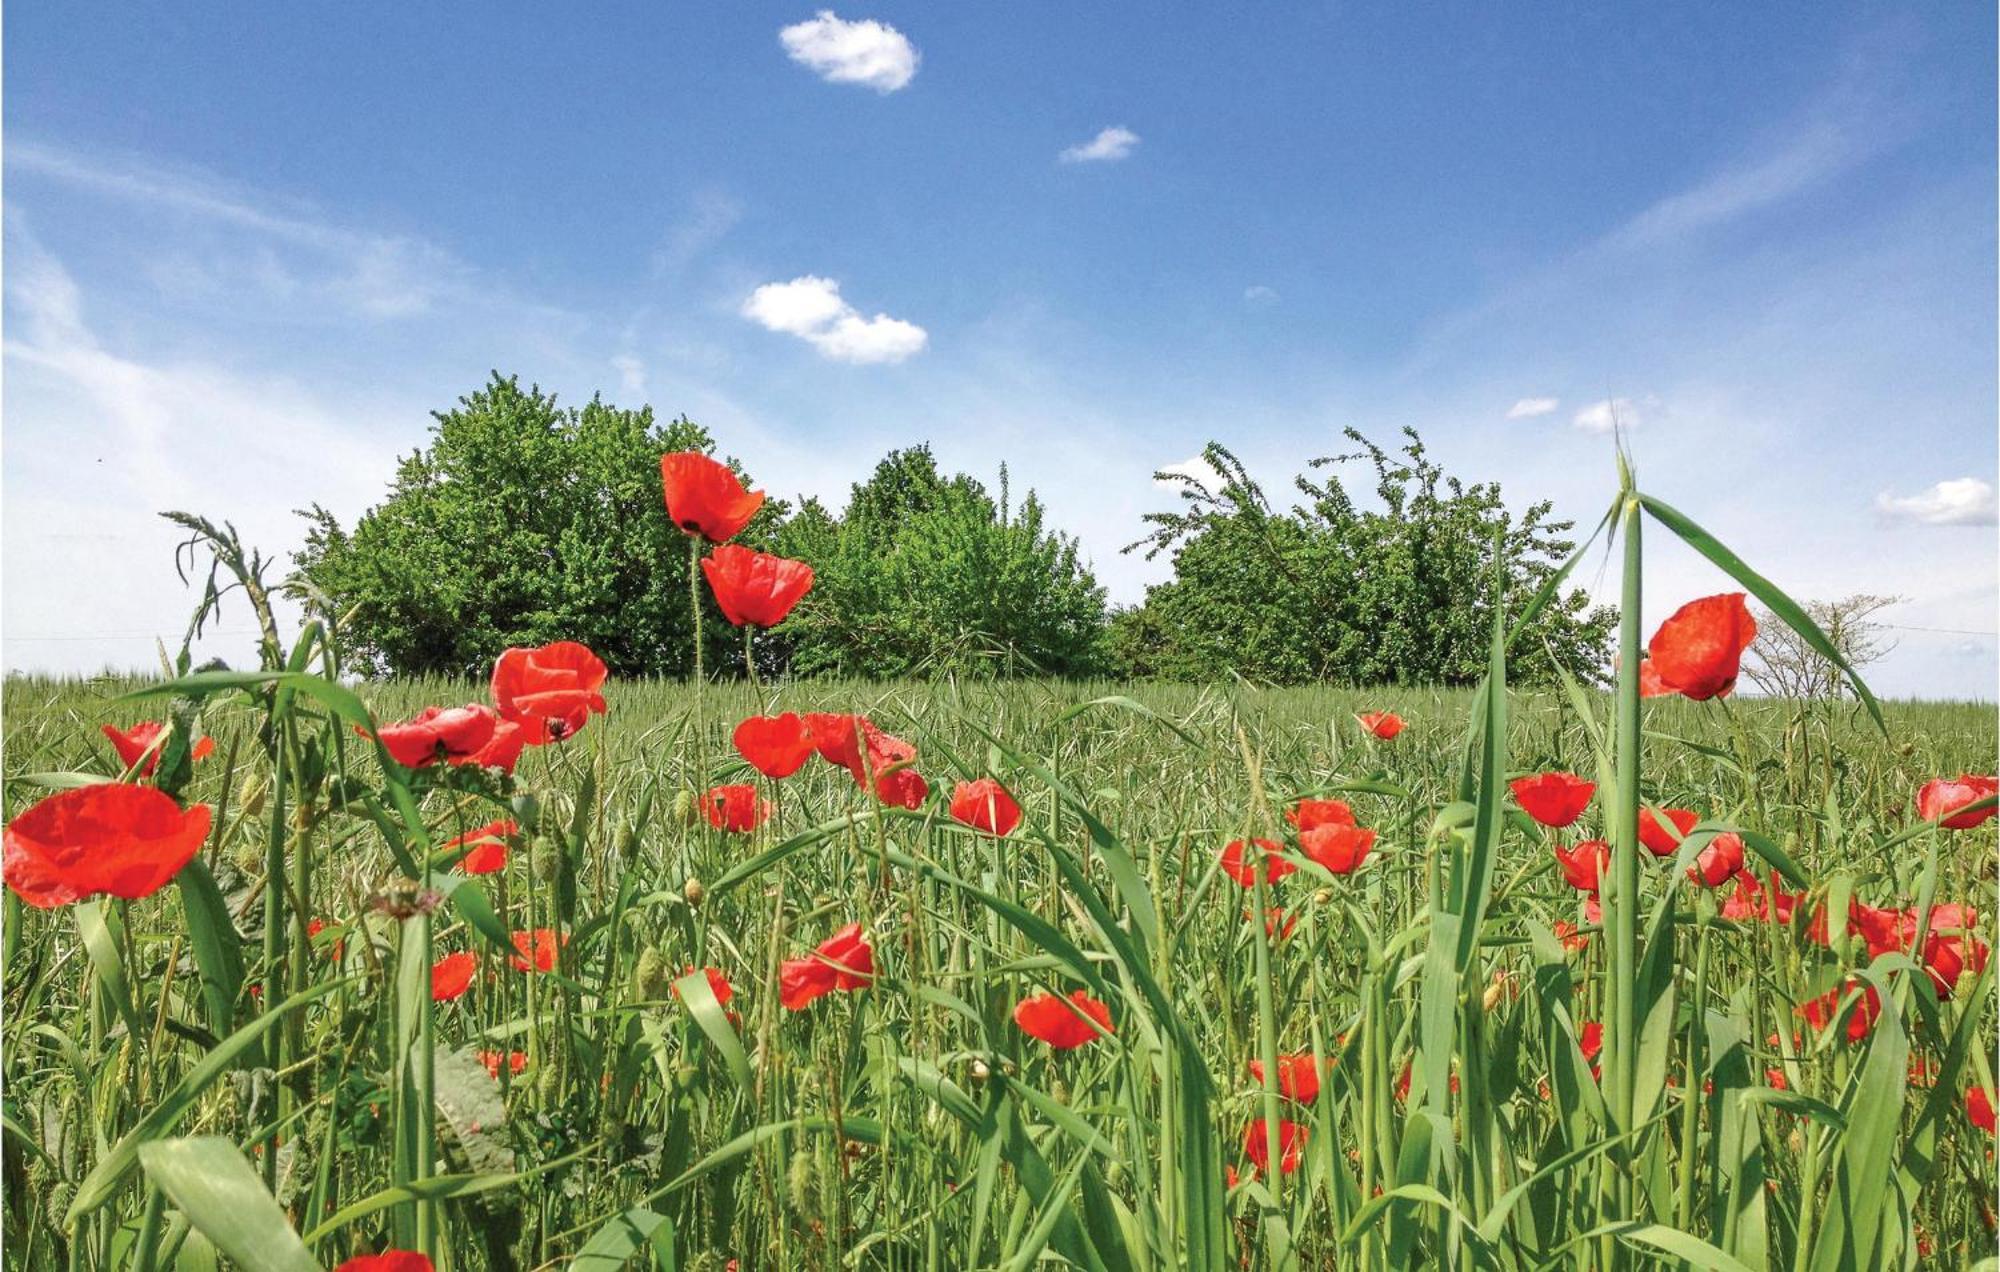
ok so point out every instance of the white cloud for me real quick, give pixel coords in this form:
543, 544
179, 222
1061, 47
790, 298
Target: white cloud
1258, 294
1962, 501
1198, 468
1602, 417
869, 52
1529, 408
812, 309
631, 379
1111, 144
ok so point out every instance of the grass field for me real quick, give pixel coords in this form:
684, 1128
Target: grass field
911, 1123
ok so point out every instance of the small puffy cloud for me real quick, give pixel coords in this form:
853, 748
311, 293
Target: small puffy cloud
812, 309
631, 376
1602, 417
1529, 408
1111, 144
1198, 468
1258, 294
869, 52
1961, 501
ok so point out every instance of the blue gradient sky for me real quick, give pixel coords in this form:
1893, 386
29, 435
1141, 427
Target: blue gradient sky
249, 249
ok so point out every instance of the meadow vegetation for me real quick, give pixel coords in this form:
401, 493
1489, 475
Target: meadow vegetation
1248, 981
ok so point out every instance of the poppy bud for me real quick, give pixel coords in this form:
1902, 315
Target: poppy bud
548, 860
685, 1077
980, 1072
693, 891
548, 1082
684, 808
627, 843
800, 1181
1494, 993
1323, 897
649, 978
528, 813
253, 800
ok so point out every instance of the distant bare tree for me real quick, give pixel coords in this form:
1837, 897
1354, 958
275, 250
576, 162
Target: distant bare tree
1783, 665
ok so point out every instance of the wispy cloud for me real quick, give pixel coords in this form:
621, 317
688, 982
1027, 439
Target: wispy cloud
1611, 413
1259, 294
1961, 501
711, 214
1108, 146
372, 275
811, 308
871, 53
1531, 407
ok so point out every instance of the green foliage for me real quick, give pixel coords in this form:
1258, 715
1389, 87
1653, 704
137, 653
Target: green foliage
925, 575
521, 523
1332, 591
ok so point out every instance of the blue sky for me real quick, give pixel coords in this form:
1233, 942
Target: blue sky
249, 249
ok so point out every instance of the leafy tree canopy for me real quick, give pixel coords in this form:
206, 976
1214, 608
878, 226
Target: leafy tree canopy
925, 574
1328, 590
522, 522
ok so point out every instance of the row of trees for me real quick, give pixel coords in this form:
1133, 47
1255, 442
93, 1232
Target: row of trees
523, 521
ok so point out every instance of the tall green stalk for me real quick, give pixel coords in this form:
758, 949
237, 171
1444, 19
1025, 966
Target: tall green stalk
1622, 906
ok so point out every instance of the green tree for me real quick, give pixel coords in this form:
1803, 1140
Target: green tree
925, 574
1328, 590
521, 522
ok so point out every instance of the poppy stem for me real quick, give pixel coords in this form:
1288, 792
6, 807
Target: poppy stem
750, 659
694, 603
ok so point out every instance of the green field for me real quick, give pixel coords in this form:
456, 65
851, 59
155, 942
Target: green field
911, 1124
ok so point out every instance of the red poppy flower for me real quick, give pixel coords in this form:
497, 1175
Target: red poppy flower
1311, 814
985, 805
1298, 1076
392, 1260
1590, 1040
1553, 799
903, 788
755, 587
705, 498
452, 976
1278, 925
139, 739
1660, 840
502, 751
1957, 926
487, 847
1291, 1145
1340, 849
837, 737
1940, 800
1583, 866
335, 950
1751, 901
110, 838
718, 984
1718, 861
439, 733
1383, 724
515, 1061
1237, 865
736, 808
1944, 963
1571, 937
775, 746
550, 691
1698, 650
877, 753
1063, 1023
1979, 1108
1883, 930
536, 950
844, 961
1650, 684
1826, 1010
